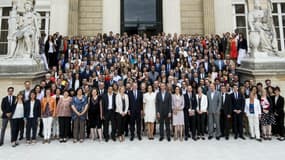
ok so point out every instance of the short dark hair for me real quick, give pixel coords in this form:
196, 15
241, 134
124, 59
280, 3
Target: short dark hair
10, 88
277, 89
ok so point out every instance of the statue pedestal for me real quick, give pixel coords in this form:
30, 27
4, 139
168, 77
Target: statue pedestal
262, 68
15, 71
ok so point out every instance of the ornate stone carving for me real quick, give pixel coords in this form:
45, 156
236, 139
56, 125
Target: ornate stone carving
262, 34
24, 32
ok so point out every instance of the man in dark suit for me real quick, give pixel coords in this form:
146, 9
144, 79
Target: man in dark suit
6, 108
108, 107
278, 109
238, 102
190, 104
163, 104
135, 110
226, 112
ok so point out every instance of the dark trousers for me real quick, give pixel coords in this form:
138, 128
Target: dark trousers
32, 124
127, 124
186, 123
41, 127
237, 125
192, 122
280, 124
15, 126
3, 129
201, 119
136, 120
164, 120
109, 117
52, 59
22, 128
225, 124
64, 126
88, 128
121, 120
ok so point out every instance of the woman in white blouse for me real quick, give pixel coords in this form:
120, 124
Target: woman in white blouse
253, 111
17, 118
202, 104
149, 111
122, 106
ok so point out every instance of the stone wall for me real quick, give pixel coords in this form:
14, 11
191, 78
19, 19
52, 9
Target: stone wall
192, 16
90, 17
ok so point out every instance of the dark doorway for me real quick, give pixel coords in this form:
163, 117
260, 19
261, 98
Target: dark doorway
141, 16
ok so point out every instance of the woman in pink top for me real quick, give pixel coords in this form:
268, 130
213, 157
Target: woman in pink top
64, 116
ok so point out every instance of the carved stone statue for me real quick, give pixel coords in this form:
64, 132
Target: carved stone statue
24, 33
262, 36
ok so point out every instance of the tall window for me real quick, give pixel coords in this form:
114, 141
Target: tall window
4, 17
240, 18
141, 16
278, 14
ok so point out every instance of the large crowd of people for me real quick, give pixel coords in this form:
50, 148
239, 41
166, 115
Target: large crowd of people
180, 86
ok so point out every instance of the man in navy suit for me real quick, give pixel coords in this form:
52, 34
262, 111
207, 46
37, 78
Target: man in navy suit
238, 103
6, 107
135, 110
219, 63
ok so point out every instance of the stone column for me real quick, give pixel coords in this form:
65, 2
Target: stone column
209, 16
73, 17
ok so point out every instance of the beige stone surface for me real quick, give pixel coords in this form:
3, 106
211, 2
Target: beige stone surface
192, 16
91, 17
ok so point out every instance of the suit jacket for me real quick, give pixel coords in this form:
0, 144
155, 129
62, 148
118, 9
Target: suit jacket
163, 107
215, 104
105, 103
257, 108
238, 104
227, 105
119, 104
136, 105
6, 107
36, 110
187, 102
279, 106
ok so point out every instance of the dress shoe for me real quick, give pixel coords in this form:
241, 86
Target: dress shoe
210, 137
218, 138
242, 137
203, 138
227, 138
186, 138
1, 144
41, 135
194, 138
281, 138
132, 138
259, 140
161, 139
236, 137
168, 139
21, 138
107, 139
140, 138
114, 139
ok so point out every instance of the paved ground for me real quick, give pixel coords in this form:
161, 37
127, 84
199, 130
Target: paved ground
147, 150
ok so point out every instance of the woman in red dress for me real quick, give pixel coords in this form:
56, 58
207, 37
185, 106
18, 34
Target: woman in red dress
233, 53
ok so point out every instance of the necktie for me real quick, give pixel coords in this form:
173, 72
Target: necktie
10, 100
